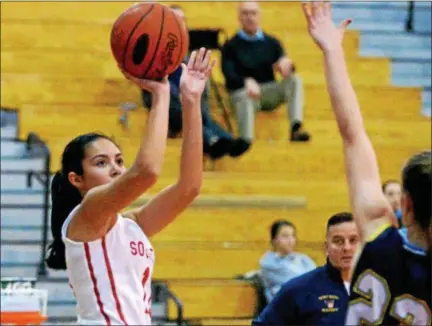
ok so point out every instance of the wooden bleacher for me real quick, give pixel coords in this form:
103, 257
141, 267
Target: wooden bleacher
238, 296
58, 70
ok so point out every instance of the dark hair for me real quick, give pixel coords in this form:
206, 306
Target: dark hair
339, 218
64, 196
388, 182
416, 180
277, 225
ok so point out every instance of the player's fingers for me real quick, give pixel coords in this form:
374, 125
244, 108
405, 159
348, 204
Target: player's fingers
192, 58
315, 8
164, 80
206, 61
146, 84
320, 9
125, 73
344, 24
210, 68
199, 59
327, 8
307, 11
134, 79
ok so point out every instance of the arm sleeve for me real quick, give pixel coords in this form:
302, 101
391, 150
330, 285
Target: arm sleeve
279, 51
308, 263
228, 66
282, 310
273, 278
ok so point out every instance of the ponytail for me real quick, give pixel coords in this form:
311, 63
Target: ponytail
64, 197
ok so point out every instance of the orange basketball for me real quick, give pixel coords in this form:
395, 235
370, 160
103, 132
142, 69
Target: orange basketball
149, 40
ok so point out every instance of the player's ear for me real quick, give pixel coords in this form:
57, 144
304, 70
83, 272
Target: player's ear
406, 204
407, 209
325, 247
75, 180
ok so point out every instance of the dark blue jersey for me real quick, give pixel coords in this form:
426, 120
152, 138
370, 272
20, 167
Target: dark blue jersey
391, 284
318, 297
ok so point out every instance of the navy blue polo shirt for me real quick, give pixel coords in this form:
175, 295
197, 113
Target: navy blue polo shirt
318, 297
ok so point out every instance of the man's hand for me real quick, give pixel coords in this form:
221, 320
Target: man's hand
195, 74
321, 28
252, 88
284, 66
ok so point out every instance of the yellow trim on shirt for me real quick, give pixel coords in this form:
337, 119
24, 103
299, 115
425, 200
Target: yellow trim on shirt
379, 230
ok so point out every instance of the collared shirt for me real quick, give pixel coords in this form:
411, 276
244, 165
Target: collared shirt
246, 56
259, 35
315, 298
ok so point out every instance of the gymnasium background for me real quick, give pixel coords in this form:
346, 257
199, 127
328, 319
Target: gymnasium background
59, 79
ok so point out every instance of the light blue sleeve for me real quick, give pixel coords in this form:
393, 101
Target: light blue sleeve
274, 274
308, 263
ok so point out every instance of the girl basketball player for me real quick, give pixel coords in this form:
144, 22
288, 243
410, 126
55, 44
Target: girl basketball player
391, 284
108, 256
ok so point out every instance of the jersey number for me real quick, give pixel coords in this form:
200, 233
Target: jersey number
375, 298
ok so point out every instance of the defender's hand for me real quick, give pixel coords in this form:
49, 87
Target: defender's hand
194, 76
321, 27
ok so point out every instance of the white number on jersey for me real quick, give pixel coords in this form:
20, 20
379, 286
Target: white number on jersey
376, 296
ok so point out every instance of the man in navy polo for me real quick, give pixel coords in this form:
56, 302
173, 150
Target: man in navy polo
319, 297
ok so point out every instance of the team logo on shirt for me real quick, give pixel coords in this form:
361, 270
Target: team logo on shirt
329, 301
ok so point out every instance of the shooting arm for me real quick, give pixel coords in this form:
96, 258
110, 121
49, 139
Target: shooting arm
173, 200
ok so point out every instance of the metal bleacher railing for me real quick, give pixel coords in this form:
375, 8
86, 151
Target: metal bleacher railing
38, 148
409, 24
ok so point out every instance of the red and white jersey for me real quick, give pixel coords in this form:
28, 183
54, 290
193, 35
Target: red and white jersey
111, 276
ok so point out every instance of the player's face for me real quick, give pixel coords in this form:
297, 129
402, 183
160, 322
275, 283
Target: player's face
285, 240
102, 163
341, 244
393, 193
249, 16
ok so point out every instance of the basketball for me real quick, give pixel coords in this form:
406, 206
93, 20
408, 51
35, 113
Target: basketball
149, 40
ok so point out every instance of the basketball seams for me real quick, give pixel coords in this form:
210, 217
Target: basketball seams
131, 33
157, 44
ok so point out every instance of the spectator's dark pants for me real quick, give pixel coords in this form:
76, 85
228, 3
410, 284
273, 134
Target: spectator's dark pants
212, 131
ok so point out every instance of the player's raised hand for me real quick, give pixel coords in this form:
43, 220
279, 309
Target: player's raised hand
321, 27
153, 86
195, 74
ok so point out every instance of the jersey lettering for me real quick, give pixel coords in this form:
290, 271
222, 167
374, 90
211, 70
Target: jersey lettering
137, 248
374, 301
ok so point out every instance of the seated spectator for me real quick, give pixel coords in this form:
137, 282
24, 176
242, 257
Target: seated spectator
216, 140
393, 192
248, 63
282, 263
